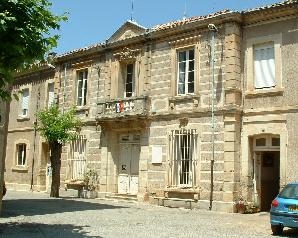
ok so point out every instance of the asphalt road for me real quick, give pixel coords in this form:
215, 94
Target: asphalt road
32, 214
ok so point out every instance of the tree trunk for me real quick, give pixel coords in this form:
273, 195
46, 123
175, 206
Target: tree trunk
56, 149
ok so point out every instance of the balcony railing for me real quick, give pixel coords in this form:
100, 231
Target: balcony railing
126, 107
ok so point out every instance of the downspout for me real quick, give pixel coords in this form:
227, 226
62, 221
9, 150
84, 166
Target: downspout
35, 135
64, 85
213, 29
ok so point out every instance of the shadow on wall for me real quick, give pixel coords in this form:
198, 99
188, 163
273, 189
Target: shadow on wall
17, 229
32, 207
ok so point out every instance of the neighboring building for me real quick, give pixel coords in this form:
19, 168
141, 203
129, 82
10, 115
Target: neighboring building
146, 99
27, 154
269, 122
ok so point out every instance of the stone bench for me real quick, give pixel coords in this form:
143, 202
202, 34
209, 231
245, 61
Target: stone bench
76, 185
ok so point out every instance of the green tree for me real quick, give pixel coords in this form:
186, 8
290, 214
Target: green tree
25, 36
57, 128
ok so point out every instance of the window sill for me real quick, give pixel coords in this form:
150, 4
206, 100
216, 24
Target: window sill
264, 92
20, 169
187, 97
82, 108
20, 118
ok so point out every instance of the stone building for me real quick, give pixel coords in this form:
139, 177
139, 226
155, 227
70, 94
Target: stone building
27, 154
171, 111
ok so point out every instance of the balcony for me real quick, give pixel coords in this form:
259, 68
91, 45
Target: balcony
124, 108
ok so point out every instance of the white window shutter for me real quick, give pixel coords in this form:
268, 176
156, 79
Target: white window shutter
51, 94
25, 102
264, 66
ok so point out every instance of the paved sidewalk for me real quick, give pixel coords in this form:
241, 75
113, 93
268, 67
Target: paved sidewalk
31, 214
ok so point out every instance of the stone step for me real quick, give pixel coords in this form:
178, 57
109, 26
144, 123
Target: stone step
126, 197
176, 202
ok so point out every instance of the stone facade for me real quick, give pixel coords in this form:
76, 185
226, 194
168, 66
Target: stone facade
26, 152
156, 113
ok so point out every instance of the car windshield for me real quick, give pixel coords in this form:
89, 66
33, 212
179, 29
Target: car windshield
290, 192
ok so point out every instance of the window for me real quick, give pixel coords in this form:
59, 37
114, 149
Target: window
21, 154
183, 154
82, 87
266, 142
25, 103
264, 66
77, 163
261, 142
185, 77
129, 80
51, 94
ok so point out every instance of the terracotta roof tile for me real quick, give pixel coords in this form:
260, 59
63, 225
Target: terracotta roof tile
188, 20
284, 3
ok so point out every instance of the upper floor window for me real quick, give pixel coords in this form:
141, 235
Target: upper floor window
186, 72
51, 94
21, 154
82, 77
25, 103
129, 80
264, 66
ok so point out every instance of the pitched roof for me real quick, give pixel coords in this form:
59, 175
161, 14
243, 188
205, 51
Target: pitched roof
176, 23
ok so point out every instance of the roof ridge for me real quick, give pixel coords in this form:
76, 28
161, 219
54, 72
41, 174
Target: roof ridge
189, 20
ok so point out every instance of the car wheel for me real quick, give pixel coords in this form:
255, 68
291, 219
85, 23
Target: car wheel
276, 229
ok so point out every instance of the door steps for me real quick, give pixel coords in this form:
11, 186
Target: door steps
176, 202
124, 197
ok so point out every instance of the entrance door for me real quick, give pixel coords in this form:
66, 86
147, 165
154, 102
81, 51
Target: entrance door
128, 178
46, 163
269, 178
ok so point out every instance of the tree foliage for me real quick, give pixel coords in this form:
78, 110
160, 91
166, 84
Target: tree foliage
56, 126
25, 36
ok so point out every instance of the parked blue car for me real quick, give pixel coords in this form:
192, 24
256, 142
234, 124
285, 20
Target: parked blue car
284, 209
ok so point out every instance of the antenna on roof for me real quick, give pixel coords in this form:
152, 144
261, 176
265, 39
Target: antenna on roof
131, 15
185, 9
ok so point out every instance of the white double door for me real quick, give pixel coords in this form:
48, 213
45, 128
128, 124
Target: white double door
128, 178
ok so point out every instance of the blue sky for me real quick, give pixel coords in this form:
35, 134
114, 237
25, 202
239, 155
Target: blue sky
94, 21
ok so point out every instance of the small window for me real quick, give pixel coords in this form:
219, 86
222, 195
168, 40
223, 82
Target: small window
82, 77
275, 141
51, 94
21, 154
125, 138
129, 81
186, 72
25, 103
261, 142
264, 66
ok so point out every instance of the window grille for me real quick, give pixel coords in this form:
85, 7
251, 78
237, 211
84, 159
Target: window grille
183, 155
77, 163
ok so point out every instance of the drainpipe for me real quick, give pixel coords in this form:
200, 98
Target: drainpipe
213, 29
35, 135
64, 85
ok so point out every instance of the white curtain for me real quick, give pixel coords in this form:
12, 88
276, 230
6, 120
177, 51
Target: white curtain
25, 102
264, 66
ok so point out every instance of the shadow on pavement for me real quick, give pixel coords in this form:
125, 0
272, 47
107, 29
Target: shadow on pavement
24, 230
31, 207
